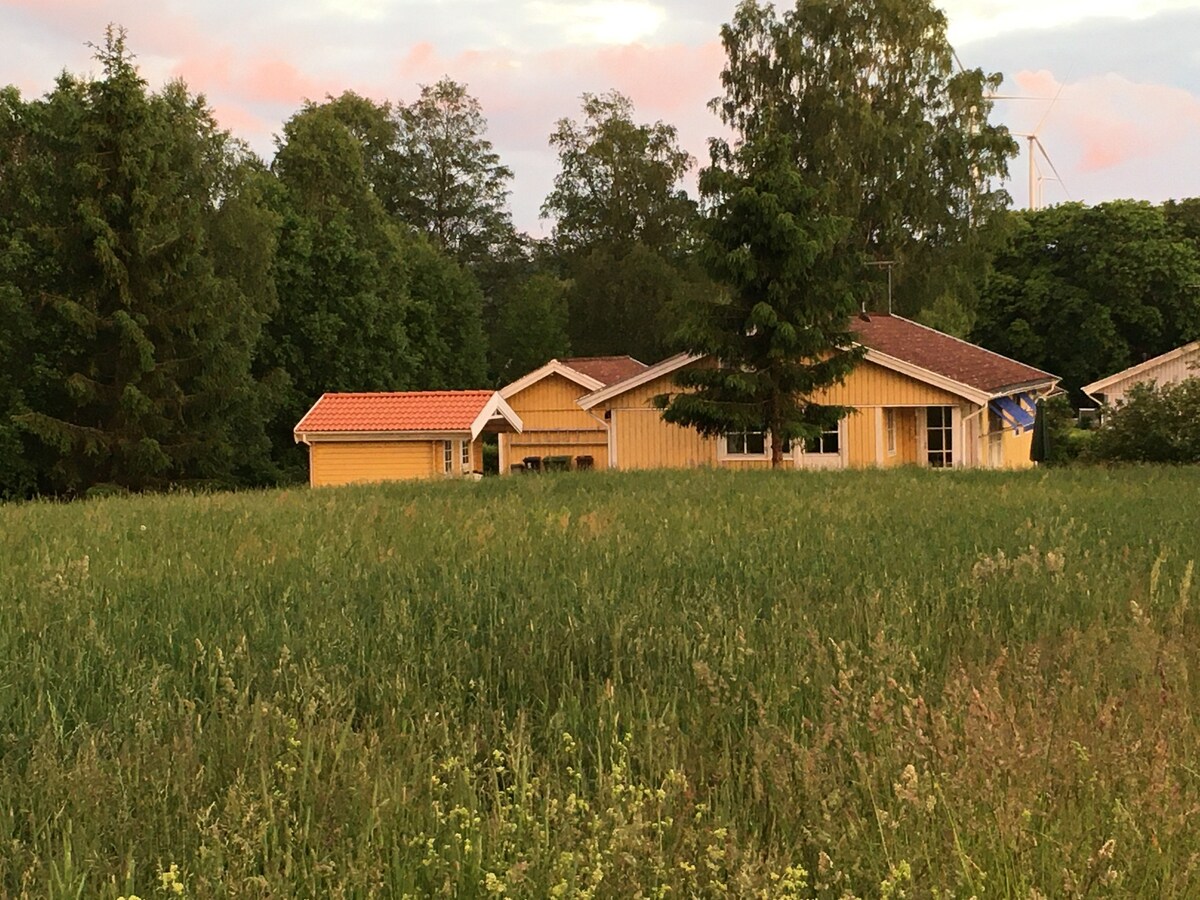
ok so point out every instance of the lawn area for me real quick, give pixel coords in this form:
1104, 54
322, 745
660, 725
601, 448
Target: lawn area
615, 685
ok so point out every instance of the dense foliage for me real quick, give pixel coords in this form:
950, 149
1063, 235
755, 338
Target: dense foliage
880, 116
1084, 292
1154, 424
781, 329
624, 228
170, 304
135, 246
695, 684
900, 173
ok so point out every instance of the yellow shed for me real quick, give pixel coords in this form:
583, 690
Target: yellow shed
402, 435
921, 397
554, 424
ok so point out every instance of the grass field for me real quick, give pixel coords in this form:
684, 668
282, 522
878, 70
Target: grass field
663, 685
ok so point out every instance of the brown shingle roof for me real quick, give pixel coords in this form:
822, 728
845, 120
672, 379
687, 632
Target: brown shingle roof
396, 411
605, 369
944, 355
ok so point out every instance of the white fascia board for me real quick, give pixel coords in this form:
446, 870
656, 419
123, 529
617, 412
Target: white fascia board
554, 367
310, 437
493, 408
296, 433
1140, 369
665, 367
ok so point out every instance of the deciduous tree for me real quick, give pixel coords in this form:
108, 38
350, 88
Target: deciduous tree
624, 227
1087, 291
853, 140
445, 178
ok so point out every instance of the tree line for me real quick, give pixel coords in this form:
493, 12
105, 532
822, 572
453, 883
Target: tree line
172, 304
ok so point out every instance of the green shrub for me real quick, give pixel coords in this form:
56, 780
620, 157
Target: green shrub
1153, 424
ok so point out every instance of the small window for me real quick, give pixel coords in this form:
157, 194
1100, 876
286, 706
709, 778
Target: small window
828, 441
746, 443
448, 456
890, 417
466, 456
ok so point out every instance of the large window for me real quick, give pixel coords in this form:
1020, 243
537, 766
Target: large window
827, 442
939, 436
889, 416
746, 443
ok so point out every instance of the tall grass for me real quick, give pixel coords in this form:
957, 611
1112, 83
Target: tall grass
670, 684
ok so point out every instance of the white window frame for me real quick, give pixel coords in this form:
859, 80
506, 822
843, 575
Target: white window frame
949, 430
448, 457
723, 446
889, 416
826, 460
465, 457
836, 431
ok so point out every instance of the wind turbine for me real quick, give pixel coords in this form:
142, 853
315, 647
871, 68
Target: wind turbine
1035, 146
1035, 175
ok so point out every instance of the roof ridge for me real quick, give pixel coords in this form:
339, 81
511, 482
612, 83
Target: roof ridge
964, 342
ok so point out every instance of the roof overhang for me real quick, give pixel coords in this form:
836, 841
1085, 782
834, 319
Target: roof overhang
659, 369
978, 396
496, 416
1102, 386
320, 437
554, 367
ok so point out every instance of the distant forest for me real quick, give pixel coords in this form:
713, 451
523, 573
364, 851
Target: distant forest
172, 304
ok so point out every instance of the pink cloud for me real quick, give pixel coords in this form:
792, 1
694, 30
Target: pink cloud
278, 81
1111, 121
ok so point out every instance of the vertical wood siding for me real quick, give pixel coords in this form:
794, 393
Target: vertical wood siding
642, 440
873, 385
1170, 372
554, 424
354, 462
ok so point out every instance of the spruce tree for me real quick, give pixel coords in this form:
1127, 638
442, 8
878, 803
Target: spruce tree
137, 364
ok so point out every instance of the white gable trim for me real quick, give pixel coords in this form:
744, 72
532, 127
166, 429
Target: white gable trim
665, 367
554, 367
1133, 372
495, 408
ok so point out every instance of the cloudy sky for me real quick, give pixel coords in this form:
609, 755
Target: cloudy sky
1126, 73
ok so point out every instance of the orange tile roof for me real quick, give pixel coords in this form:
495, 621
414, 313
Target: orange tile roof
605, 369
396, 411
944, 355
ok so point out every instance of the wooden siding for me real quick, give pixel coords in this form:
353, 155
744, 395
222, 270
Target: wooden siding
644, 441
554, 425
859, 433
871, 384
354, 462
1016, 449
1185, 366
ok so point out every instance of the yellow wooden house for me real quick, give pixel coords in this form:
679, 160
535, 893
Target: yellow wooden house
370, 437
921, 397
555, 426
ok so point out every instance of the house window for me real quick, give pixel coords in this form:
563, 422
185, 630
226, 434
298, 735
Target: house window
466, 456
889, 416
746, 443
448, 456
828, 441
939, 436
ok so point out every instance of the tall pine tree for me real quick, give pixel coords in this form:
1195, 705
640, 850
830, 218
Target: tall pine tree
135, 337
